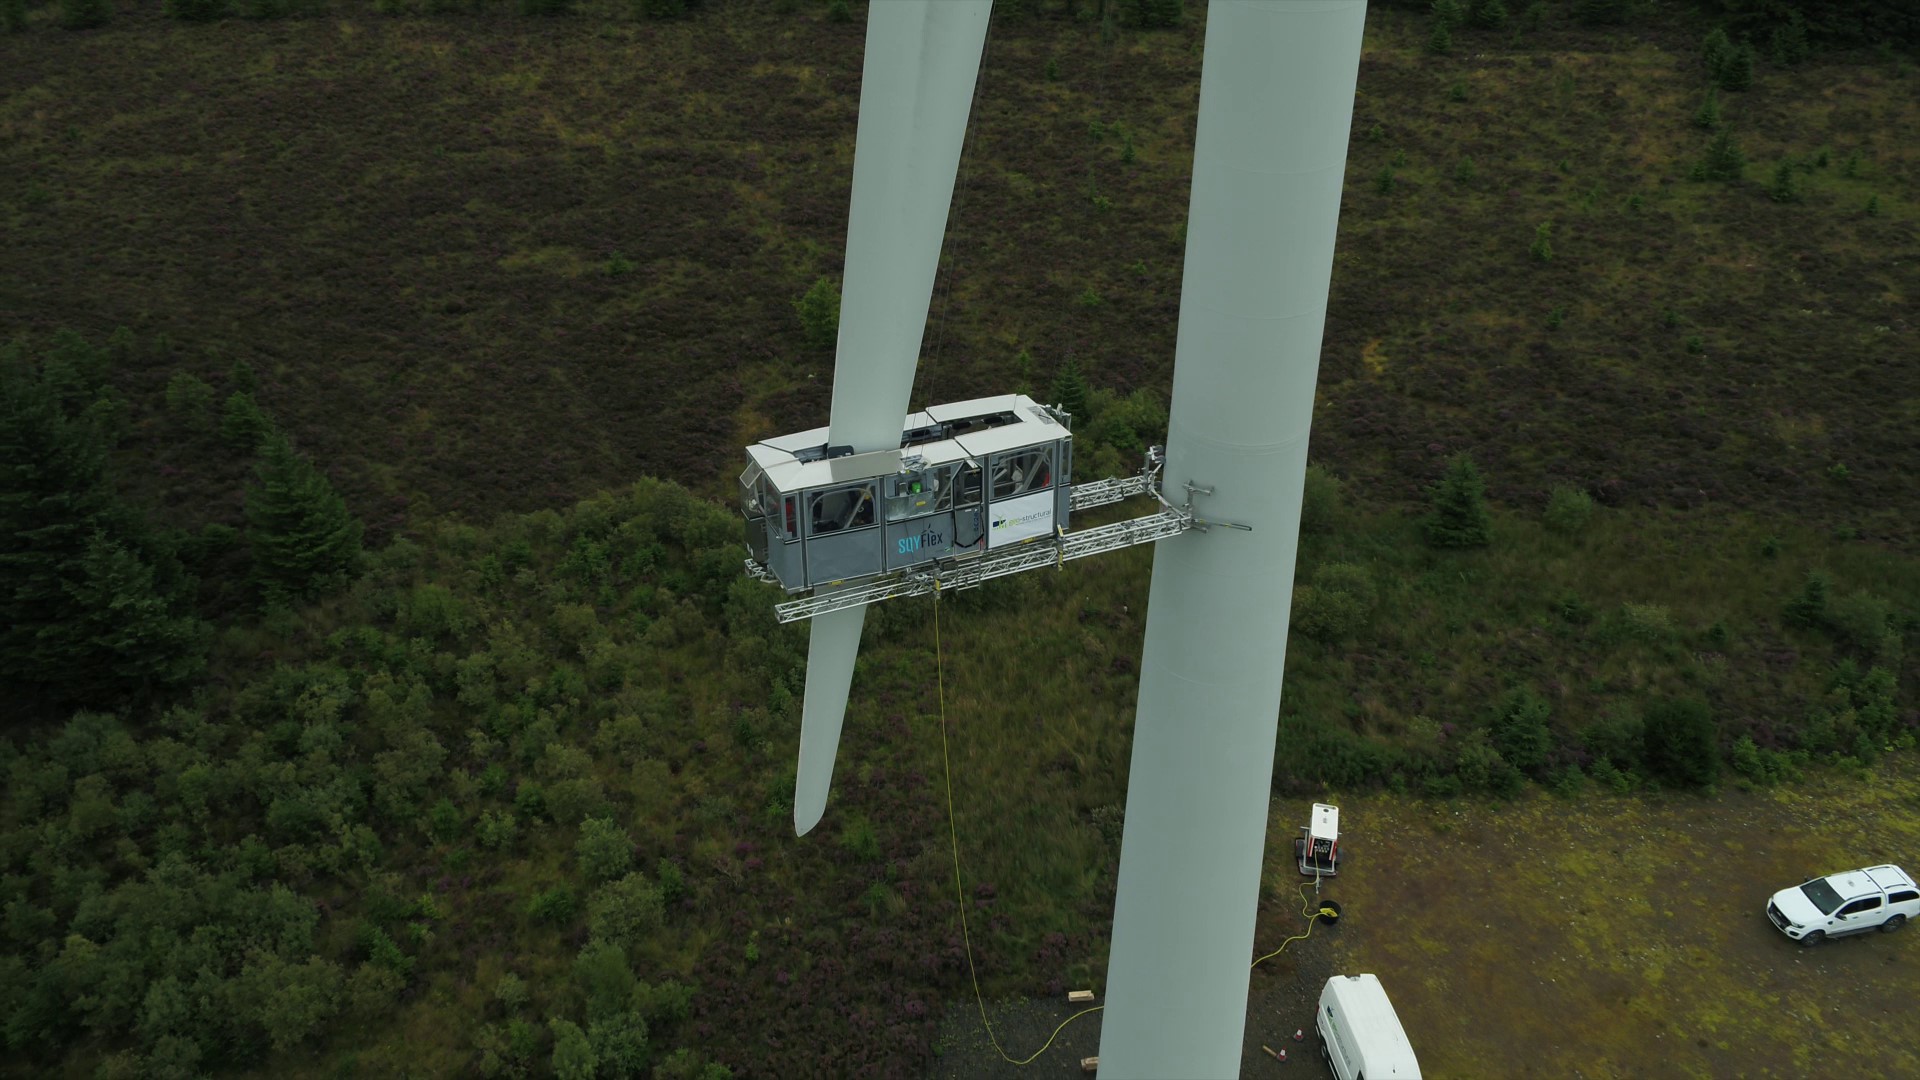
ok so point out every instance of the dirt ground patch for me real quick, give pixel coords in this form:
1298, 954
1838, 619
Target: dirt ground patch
1604, 937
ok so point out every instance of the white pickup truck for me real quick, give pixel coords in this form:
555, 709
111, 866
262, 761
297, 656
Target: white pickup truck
1876, 898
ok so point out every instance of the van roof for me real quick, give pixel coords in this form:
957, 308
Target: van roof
1383, 1044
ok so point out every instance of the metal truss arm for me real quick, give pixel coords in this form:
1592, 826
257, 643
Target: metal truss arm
969, 573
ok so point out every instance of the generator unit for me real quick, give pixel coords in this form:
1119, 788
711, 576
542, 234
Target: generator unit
1318, 846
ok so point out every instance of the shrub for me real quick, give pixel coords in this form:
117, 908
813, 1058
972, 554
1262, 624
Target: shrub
85, 15
1619, 737
1542, 249
604, 849
1602, 12
1763, 767
1324, 615
1568, 510
1681, 742
545, 7
1154, 14
191, 400
13, 15
838, 11
660, 9
444, 821
1809, 607
1440, 41
1129, 425
1489, 14
510, 991
496, 830
1459, 518
624, 912
1519, 731
1646, 622
196, 10
1319, 501
1337, 603
1862, 621
573, 1056
556, 905
1785, 186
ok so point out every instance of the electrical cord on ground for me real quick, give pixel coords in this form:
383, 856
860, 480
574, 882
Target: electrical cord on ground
953, 835
1306, 908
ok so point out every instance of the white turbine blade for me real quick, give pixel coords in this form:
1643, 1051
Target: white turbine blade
1276, 103
830, 653
916, 89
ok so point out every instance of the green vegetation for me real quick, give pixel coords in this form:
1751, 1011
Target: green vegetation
819, 311
386, 693
1459, 518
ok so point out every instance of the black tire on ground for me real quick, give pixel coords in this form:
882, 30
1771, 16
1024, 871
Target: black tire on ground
1330, 911
1813, 939
1893, 923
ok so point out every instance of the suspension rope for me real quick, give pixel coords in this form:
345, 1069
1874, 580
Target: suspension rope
959, 893
953, 835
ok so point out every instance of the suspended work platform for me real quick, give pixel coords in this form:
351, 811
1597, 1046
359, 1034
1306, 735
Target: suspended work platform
1055, 550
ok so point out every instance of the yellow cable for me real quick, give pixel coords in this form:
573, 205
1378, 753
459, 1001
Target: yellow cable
953, 835
1306, 906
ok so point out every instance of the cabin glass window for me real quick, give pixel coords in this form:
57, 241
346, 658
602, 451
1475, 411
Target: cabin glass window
1865, 903
752, 483
1022, 471
966, 485
849, 507
792, 515
1903, 897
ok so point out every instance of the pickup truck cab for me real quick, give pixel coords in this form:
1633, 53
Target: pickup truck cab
1875, 898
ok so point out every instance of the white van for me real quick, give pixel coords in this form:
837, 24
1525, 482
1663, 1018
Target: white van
1359, 1033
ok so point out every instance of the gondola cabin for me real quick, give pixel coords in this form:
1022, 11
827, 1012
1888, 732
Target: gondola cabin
968, 478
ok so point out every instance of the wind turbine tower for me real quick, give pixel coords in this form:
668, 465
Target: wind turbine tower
1276, 102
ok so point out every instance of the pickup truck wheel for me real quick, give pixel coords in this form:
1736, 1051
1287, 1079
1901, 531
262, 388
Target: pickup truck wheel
1893, 923
1813, 939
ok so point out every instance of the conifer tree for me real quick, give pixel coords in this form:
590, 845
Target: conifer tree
1725, 160
1708, 116
87, 594
303, 540
124, 638
1069, 390
1459, 518
85, 14
244, 426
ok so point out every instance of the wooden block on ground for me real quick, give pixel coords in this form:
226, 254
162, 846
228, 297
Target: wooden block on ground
1090, 1064
1078, 996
